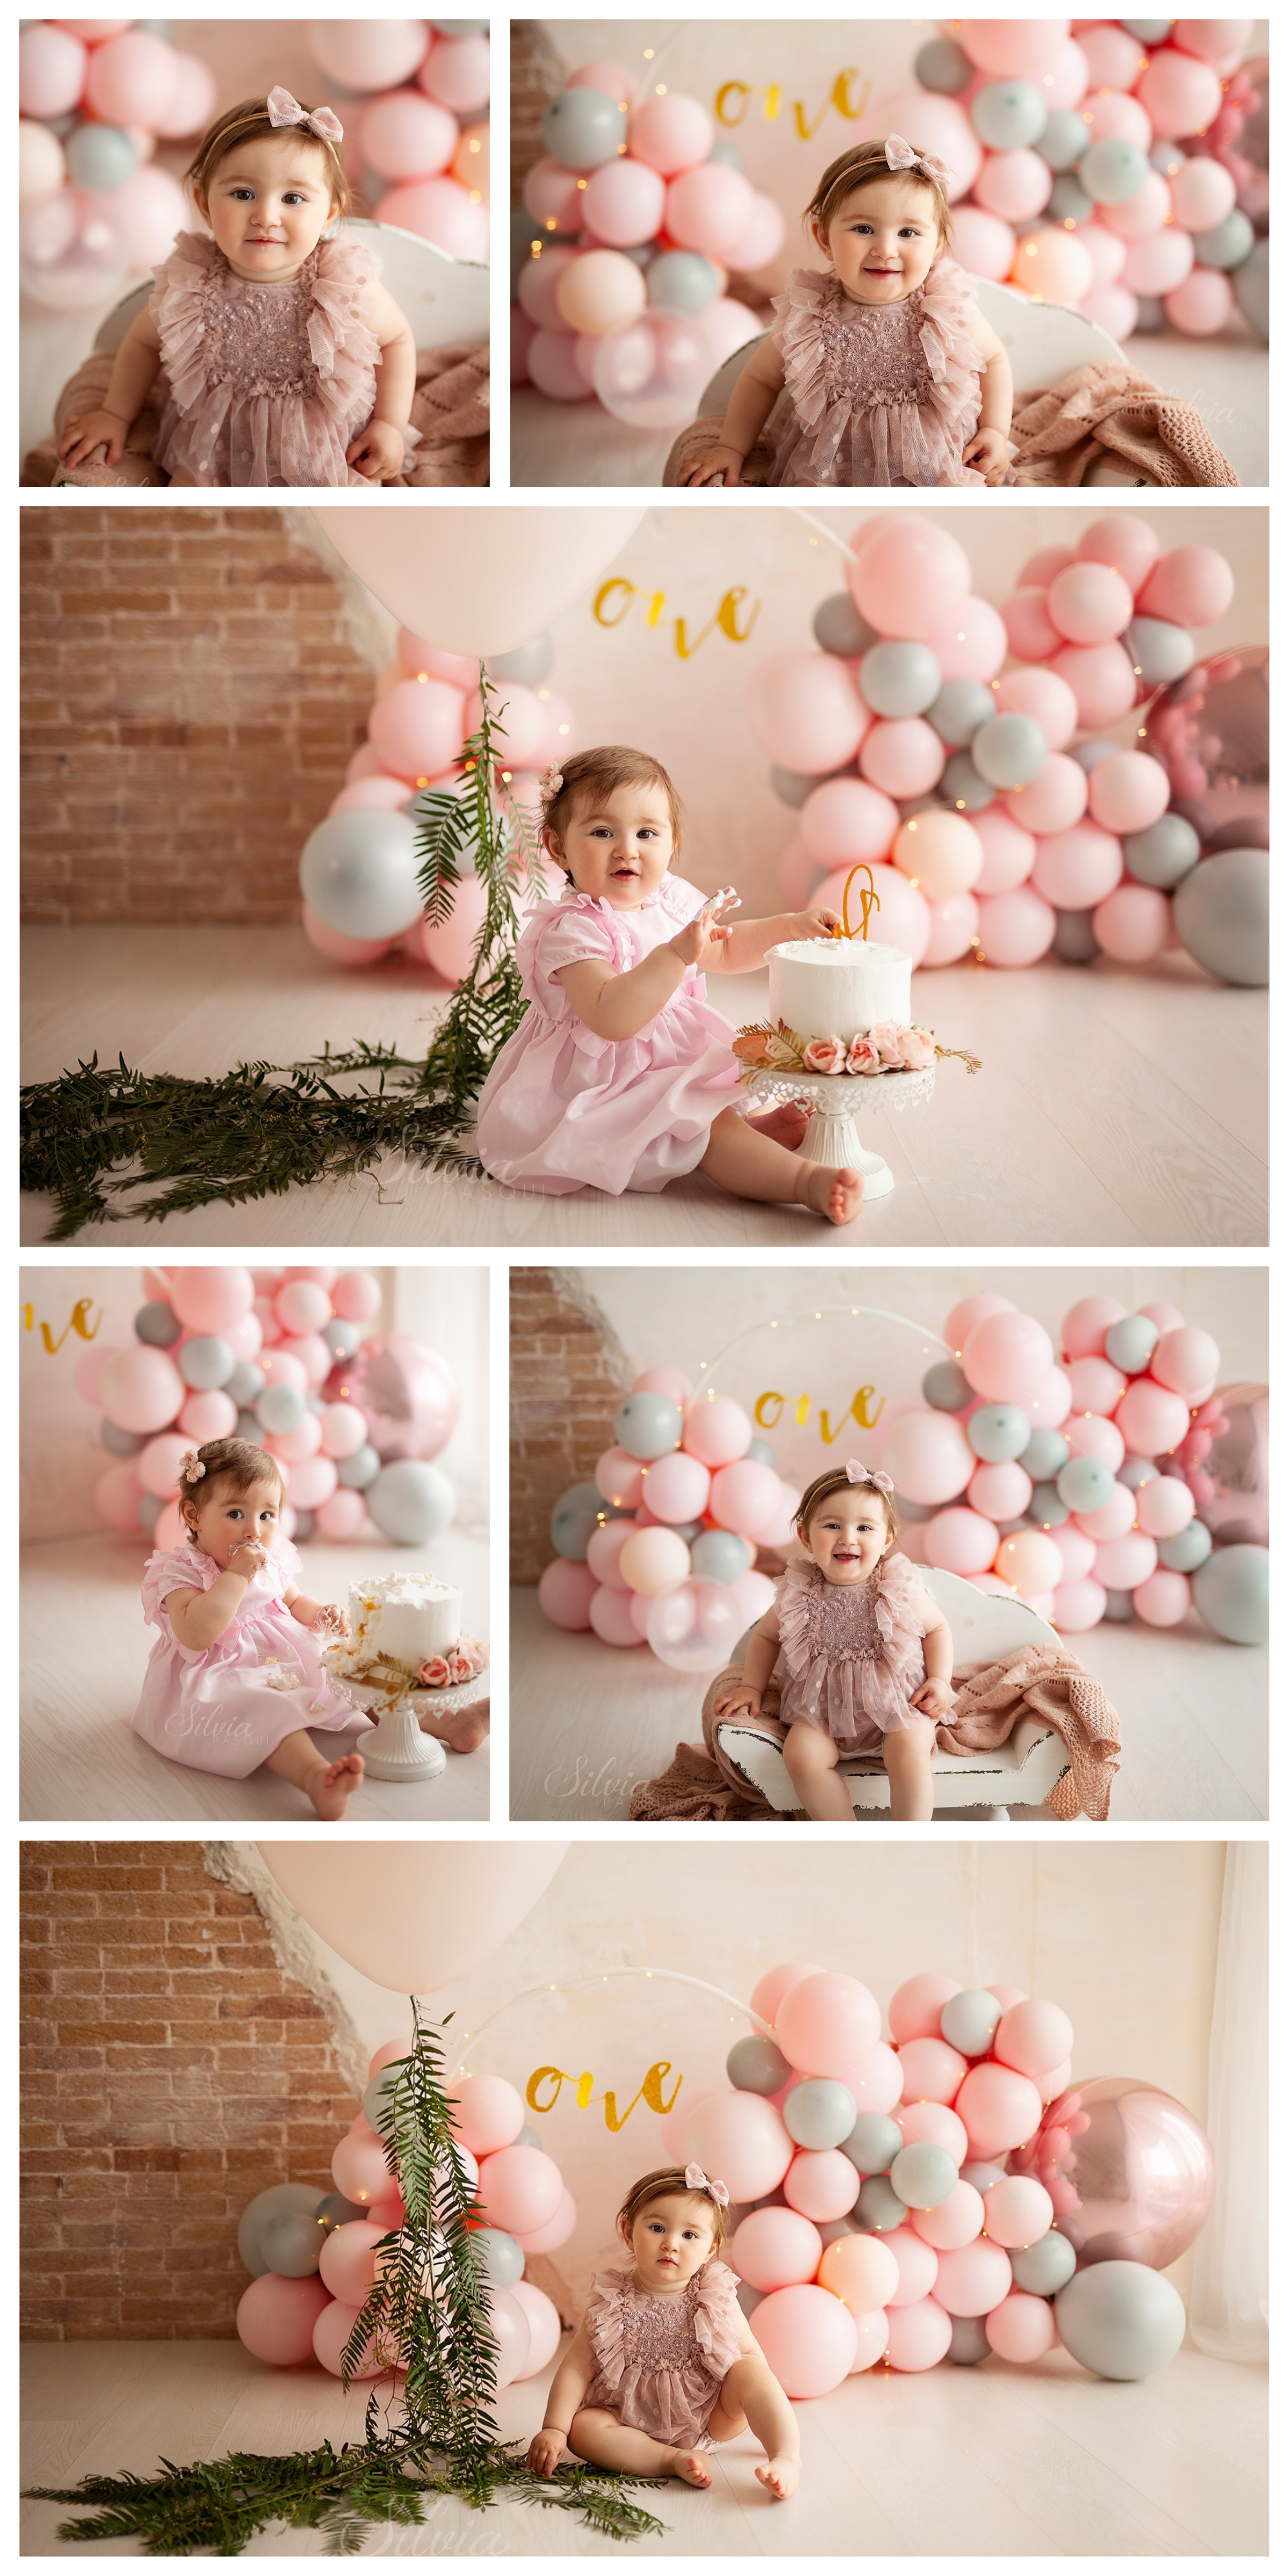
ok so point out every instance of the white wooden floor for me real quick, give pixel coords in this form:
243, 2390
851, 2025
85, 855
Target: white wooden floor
587, 1721
84, 1651
1115, 1106
990, 2462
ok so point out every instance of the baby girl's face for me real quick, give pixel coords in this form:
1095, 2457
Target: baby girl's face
847, 1537
883, 240
671, 2239
228, 1517
270, 203
618, 848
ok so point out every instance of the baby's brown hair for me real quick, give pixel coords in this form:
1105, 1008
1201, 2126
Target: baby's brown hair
860, 167
667, 2180
249, 123
834, 1480
226, 1462
586, 776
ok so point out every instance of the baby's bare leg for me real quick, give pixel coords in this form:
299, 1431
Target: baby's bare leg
906, 1752
465, 1730
328, 1785
751, 1166
751, 2395
596, 2435
811, 1758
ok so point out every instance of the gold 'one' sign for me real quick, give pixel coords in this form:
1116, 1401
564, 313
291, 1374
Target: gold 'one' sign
78, 1322
613, 601
770, 1406
734, 98
650, 2092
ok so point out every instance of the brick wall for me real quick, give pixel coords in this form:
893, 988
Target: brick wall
567, 1378
537, 74
190, 699
170, 2071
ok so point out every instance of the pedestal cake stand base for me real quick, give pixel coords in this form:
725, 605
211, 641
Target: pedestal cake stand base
399, 1748
832, 1136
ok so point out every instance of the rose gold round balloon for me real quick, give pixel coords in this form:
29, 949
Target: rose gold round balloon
407, 1392
1237, 1467
1240, 137
1129, 2171
1211, 731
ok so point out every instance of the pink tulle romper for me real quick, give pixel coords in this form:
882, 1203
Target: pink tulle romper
852, 1652
885, 394
564, 1110
660, 2361
269, 384
226, 1707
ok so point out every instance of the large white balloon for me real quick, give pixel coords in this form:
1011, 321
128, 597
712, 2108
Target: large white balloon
477, 581
413, 1916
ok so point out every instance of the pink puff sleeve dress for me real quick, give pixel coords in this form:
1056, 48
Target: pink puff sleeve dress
660, 2359
877, 394
852, 1653
269, 383
565, 1110
226, 1707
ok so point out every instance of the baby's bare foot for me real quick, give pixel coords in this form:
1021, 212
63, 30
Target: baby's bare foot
332, 1787
786, 1125
693, 2466
836, 1195
781, 2476
465, 1730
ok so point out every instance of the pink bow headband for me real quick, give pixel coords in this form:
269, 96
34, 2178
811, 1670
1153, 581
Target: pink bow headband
285, 110
900, 156
695, 2180
858, 1474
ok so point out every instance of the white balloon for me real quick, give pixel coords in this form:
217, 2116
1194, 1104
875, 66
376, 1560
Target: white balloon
413, 1916
477, 581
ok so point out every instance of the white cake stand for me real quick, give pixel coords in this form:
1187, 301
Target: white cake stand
399, 1749
832, 1136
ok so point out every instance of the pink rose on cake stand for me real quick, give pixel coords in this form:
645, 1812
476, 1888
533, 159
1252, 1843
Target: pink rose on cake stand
825, 1055
916, 1049
888, 1041
863, 1057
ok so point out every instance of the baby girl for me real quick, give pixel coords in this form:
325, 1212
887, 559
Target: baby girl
865, 1655
271, 333
620, 1075
892, 374
666, 2363
234, 1678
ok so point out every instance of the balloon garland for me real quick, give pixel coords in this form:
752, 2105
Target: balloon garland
418, 145
279, 1358
95, 97
999, 821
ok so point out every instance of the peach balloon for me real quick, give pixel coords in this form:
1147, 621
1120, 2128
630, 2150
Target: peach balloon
821, 2184
861, 2270
956, 2222
973, 2278
653, 1560
773, 2249
1029, 1561
1000, 2108
916, 2005
938, 851
1022, 2327
1102, 680
932, 2071
1052, 266
1053, 801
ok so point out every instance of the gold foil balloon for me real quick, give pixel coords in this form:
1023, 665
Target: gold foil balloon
1234, 1498
1211, 731
1129, 2171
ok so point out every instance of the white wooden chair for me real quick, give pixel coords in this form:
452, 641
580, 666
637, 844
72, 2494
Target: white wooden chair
986, 1626
445, 300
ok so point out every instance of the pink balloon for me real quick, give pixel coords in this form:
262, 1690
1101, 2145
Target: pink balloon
1000, 2108
1047, 1409
1031, 2036
1113, 308
954, 929
935, 2123
171, 1528
1128, 791
405, 136
556, 2232
131, 80
1123, 1563
1064, 78
620, 1479
51, 70
1191, 586
488, 2113
1021, 2328
1103, 682
1203, 194
342, 1515
998, 1493
313, 1354
441, 212
509, 2324
1078, 1606
1111, 116
717, 1431
519, 2188
1179, 94
140, 1389
1185, 1360
1113, 1519
677, 1487
208, 1415
603, 1550
457, 70
282, 1368
918, 2336
1005, 1358
208, 1301
623, 203
941, 127
1152, 1419
827, 2024
910, 578
671, 134
565, 1593
1053, 801
1201, 304
370, 795
310, 1481
916, 2005
961, 1542
1044, 696
1133, 924
302, 1307
1159, 263
1140, 218
1009, 48
974, 646
1014, 185
742, 2140
612, 1616
932, 2071
157, 1466
929, 1457
982, 243
1082, 1333
1091, 1436
545, 2330
347, 2262
341, 950
1009, 851
805, 710
918, 2266
956, 2222
708, 209
1015, 929
769, 1990
358, 2166
905, 917
116, 1499
1030, 633
344, 1430
808, 2338
331, 2333
754, 1595
1162, 1599
843, 823
1089, 603
613, 78
774, 2249
418, 727
822, 2184
1077, 1550
903, 756
974, 2278
538, 282
1078, 868
1095, 1385
276, 2318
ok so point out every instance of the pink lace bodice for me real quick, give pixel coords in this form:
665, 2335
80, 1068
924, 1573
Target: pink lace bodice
852, 1652
879, 394
660, 2360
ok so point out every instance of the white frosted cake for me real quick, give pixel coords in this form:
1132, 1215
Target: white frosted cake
403, 1619
838, 988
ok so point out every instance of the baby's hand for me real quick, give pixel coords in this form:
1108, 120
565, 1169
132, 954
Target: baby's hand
377, 451
719, 465
934, 1699
815, 924
331, 1616
706, 931
990, 454
247, 1557
545, 2452
738, 1701
90, 429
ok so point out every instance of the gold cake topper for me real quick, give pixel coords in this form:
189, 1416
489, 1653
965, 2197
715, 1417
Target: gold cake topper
869, 900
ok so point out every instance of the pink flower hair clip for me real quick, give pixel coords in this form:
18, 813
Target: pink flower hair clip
190, 1467
550, 782
900, 156
285, 110
696, 2180
858, 1474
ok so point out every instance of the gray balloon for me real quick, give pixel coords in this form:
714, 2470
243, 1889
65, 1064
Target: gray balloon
1151, 313
1151, 31
818, 2113
873, 2142
1008, 115
946, 1387
1222, 916
942, 66
682, 281
1010, 750
968, 2021
1164, 854
1227, 244
924, 2174
360, 1468
790, 787
749, 2299
157, 1323
1075, 940
291, 2244
374, 2099
333, 2210
906, 1511
205, 1362
1252, 288
249, 1427
583, 128
305, 1525
1159, 651
832, 2228
149, 1510
1232, 1592
1187, 1551
961, 707
839, 628
726, 153
1122, 2320
754, 2065
968, 2342
246, 1384
502, 2256
879, 2205
961, 785
899, 679
1045, 2267
1069, 202
341, 1339
1045, 1507
1135, 1472
1046, 1454
282, 2199
409, 1501
1119, 1606
123, 1444
528, 663
527, 2137
1063, 140
1090, 754
981, 2176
